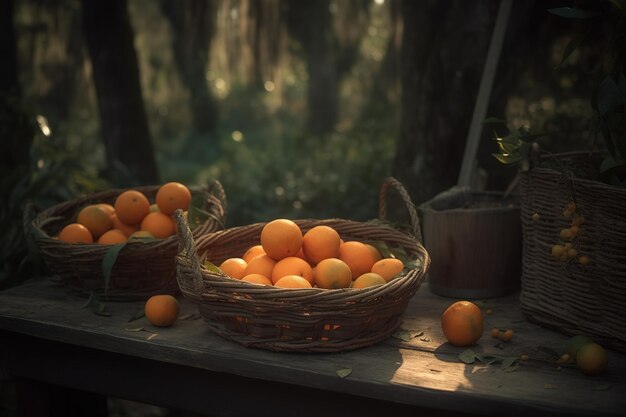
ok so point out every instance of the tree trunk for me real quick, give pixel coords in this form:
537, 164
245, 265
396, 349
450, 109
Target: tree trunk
443, 52
310, 23
124, 126
193, 26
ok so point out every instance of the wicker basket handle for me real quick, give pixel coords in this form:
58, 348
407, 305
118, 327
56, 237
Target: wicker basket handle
216, 189
187, 249
382, 210
31, 211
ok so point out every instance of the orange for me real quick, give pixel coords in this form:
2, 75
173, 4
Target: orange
292, 265
109, 209
333, 273
131, 207
388, 268
462, 323
112, 237
257, 279
292, 281
234, 267
319, 243
158, 224
375, 252
162, 310
96, 219
359, 257
592, 359
252, 252
261, 264
172, 196
126, 228
368, 279
75, 233
281, 238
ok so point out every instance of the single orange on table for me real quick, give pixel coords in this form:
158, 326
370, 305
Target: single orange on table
131, 207
462, 323
281, 238
292, 265
172, 196
75, 233
333, 273
319, 243
162, 310
96, 219
158, 224
234, 267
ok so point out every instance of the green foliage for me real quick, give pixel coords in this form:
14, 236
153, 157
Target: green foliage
40, 170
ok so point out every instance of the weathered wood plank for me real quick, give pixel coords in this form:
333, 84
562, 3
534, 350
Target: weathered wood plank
423, 372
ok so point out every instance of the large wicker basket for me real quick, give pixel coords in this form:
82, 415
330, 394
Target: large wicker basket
299, 320
568, 296
142, 267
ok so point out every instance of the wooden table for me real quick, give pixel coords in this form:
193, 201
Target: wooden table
49, 342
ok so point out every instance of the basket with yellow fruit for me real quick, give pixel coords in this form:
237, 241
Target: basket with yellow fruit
122, 242
304, 285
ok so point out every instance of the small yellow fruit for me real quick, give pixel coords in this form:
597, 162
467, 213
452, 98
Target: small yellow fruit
536, 217
592, 359
583, 260
558, 250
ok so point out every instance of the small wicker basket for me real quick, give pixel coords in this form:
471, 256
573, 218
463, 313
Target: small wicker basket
568, 296
142, 267
299, 320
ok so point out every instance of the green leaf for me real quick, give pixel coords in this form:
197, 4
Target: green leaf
108, 261
509, 361
467, 356
609, 163
415, 264
402, 334
211, 267
487, 359
97, 306
572, 46
382, 248
342, 373
574, 13
608, 96
511, 368
552, 352
141, 313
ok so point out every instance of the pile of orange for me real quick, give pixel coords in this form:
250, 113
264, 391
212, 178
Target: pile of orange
287, 258
132, 215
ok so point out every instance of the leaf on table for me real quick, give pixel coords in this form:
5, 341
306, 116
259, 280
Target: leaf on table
509, 361
185, 317
406, 335
342, 373
549, 386
488, 359
152, 336
511, 368
97, 306
425, 339
134, 329
552, 352
467, 356
602, 387
141, 313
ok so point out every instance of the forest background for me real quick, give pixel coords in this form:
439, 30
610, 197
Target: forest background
299, 107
